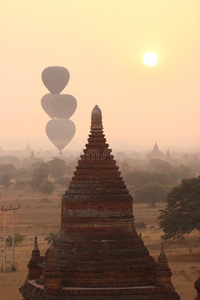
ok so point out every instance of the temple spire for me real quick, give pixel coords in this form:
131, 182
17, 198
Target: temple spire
162, 259
155, 146
164, 272
36, 244
33, 268
96, 122
96, 161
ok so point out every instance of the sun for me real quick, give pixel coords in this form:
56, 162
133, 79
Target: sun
150, 59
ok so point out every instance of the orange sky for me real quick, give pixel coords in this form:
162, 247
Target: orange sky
102, 43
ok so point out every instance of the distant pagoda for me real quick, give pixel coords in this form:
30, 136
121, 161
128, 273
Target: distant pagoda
155, 153
97, 254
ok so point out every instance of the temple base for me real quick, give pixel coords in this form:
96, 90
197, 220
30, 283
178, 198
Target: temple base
30, 290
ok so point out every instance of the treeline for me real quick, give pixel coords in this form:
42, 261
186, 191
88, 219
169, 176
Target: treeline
152, 187
41, 176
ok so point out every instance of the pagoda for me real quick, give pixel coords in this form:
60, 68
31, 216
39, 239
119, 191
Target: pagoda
97, 254
155, 153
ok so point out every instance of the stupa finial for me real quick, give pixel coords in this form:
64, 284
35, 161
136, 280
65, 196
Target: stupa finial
35, 244
162, 257
96, 122
33, 268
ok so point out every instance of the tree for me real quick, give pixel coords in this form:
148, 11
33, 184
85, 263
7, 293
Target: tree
63, 181
184, 172
23, 173
6, 181
40, 174
20, 184
51, 237
9, 159
7, 169
161, 166
46, 187
36, 165
139, 178
57, 167
151, 193
182, 213
19, 238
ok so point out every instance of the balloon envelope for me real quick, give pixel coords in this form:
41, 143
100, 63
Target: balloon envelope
47, 105
60, 132
55, 79
63, 105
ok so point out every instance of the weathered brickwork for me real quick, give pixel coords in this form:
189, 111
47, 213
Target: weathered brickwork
98, 253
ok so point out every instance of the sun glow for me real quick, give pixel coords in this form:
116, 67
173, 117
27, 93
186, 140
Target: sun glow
150, 59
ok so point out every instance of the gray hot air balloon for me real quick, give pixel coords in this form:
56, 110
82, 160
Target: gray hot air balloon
63, 105
60, 132
47, 105
55, 79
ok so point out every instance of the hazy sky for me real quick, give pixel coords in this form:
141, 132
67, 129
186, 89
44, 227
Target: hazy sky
102, 43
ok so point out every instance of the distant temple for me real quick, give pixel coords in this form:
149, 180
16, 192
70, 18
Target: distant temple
97, 254
168, 157
155, 153
125, 168
32, 157
27, 151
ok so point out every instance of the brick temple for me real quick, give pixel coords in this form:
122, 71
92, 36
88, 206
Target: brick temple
97, 254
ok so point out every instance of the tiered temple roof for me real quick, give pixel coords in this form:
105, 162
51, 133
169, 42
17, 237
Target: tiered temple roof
98, 254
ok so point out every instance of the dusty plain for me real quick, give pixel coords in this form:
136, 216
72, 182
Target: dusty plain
39, 215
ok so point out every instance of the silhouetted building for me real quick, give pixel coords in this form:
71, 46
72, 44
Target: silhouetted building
125, 167
27, 151
168, 156
155, 153
32, 157
97, 254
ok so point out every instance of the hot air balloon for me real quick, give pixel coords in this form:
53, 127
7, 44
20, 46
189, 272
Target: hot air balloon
47, 105
60, 132
55, 79
63, 105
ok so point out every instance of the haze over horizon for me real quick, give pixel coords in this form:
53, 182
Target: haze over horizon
102, 44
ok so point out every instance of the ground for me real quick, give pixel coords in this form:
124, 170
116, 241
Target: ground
39, 215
